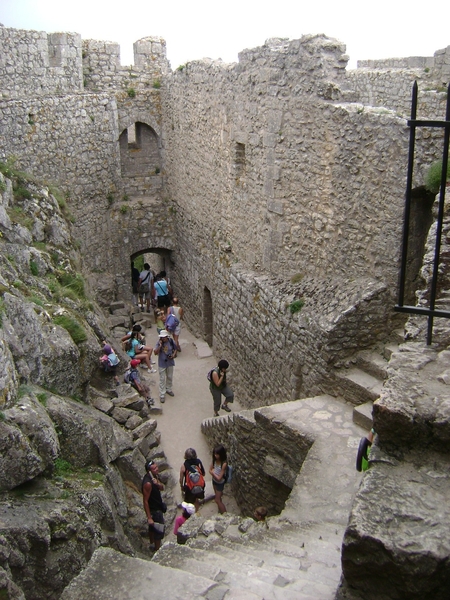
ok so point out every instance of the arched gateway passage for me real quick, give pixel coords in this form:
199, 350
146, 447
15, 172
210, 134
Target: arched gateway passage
159, 259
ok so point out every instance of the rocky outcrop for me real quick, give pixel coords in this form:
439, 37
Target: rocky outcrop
72, 450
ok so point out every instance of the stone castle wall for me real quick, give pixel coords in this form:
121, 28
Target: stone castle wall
247, 175
388, 83
64, 106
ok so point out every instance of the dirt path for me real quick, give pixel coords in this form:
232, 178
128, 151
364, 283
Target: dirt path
182, 415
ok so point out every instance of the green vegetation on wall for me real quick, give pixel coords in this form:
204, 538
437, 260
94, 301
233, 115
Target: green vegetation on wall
71, 325
434, 175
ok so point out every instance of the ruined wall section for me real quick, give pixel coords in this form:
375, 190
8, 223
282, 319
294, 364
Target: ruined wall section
302, 185
392, 89
37, 63
69, 137
102, 69
437, 65
388, 83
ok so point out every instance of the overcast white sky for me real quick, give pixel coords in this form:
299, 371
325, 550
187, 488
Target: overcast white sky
200, 28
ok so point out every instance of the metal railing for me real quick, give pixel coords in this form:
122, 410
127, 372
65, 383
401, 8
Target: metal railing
414, 123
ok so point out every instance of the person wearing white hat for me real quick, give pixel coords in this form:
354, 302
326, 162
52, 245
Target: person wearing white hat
166, 351
188, 510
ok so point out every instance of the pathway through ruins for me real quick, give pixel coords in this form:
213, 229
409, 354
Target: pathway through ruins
182, 415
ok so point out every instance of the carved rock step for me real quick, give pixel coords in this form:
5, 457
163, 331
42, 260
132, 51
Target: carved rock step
314, 559
111, 575
372, 363
362, 415
357, 386
282, 581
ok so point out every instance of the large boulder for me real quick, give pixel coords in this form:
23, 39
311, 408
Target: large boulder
29, 443
87, 436
397, 543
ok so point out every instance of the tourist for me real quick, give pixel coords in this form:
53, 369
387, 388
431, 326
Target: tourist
140, 346
260, 513
153, 503
132, 377
145, 287
193, 465
135, 349
217, 471
162, 291
163, 275
176, 310
160, 319
218, 387
134, 284
109, 361
188, 510
166, 351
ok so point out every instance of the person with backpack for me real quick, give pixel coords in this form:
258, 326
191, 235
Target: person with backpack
132, 377
218, 470
218, 387
166, 351
109, 361
173, 321
145, 287
192, 478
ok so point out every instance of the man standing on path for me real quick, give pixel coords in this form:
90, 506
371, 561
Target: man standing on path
153, 504
218, 387
145, 286
166, 351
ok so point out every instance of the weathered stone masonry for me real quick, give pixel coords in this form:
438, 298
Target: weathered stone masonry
248, 175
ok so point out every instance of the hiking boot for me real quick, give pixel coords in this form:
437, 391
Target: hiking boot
162, 399
170, 393
225, 407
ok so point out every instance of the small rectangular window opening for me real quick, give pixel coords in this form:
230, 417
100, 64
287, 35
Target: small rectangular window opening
239, 159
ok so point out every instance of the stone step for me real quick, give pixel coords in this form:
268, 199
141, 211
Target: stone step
112, 575
362, 415
389, 350
373, 363
317, 560
357, 386
276, 583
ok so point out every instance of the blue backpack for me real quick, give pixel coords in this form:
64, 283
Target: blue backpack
171, 322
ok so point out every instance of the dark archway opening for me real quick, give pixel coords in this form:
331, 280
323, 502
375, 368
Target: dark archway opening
139, 152
421, 218
207, 317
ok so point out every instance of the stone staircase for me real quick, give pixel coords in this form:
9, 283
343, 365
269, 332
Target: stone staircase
295, 555
361, 380
277, 562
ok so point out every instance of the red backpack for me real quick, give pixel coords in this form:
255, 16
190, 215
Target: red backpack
193, 479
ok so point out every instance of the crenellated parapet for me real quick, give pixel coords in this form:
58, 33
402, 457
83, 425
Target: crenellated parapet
34, 63
102, 69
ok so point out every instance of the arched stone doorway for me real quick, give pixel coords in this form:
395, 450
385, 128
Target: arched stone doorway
139, 151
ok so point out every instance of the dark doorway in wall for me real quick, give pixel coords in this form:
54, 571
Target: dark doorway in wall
139, 152
297, 383
420, 222
207, 317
